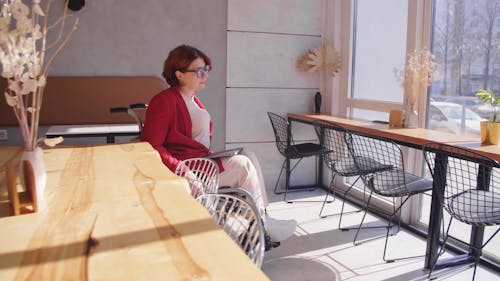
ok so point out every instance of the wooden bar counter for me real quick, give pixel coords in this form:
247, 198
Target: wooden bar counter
417, 138
115, 212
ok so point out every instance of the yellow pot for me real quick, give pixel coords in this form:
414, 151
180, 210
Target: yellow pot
490, 132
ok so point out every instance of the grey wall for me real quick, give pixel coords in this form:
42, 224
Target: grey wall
264, 40
133, 38
253, 45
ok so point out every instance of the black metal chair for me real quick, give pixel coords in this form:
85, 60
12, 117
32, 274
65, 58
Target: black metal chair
287, 147
340, 162
394, 182
468, 185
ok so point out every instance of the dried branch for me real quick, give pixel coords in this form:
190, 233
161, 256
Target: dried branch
418, 74
23, 36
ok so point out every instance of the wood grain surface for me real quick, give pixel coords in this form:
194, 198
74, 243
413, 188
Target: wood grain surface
413, 137
115, 212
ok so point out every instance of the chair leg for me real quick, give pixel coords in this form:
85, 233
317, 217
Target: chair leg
283, 168
278, 180
442, 249
391, 217
362, 220
343, 204
330, 189
365, 209
288, 172
360, 226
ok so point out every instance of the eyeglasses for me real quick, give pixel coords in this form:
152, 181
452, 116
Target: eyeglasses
199, 71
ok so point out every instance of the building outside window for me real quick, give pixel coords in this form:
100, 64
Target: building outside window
466, 44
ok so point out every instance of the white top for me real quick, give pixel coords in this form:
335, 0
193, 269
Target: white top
200, 119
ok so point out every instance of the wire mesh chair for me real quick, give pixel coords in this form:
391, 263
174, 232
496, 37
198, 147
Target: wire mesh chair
290, 150
246, 196
202, 175
340, 161
239, 220
469, 192
394, 183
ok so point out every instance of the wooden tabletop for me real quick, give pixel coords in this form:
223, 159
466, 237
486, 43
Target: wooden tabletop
412, 137
115, 212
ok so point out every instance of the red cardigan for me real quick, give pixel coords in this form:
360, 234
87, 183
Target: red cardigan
168, 129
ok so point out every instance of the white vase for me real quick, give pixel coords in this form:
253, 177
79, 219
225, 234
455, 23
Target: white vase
35, 158
411, 117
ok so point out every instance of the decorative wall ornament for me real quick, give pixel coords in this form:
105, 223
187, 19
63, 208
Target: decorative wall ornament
321, 59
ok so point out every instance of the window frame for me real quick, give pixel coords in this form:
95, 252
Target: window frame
337, 29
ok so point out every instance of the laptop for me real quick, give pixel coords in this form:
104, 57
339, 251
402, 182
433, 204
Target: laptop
225, 153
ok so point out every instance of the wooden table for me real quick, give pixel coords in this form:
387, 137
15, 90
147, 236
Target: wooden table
416, 138
110, 131
115, 212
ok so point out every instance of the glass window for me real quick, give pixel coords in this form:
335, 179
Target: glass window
465, 43
379, 31
379, 46
466, 46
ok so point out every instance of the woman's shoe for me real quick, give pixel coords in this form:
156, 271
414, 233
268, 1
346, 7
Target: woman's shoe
279, 230
270, 244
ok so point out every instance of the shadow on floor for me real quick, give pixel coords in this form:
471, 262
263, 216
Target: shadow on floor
299, 269
323, 240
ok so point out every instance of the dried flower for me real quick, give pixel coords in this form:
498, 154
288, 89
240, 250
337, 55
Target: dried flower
324, 58
23, 37
418, 74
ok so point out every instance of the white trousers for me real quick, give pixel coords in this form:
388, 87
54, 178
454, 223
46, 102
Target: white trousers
243, 171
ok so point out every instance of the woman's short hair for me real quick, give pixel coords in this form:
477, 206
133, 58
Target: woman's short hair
179, 59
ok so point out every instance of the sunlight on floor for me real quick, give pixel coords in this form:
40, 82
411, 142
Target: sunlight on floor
320, 251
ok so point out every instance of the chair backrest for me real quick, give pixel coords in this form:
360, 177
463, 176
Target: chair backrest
469, 183
131, 110
383, 159
240, 221
202, 175
280, 128
334, 138
243, 194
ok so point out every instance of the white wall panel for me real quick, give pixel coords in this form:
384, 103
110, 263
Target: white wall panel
246, 112
268, 60
264, 40
275, 16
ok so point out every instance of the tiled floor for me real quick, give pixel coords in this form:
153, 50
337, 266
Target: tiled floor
320, 251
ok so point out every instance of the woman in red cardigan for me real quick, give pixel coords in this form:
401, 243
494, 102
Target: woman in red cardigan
179, 127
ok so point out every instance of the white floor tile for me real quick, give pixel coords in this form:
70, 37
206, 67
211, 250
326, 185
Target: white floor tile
320, 251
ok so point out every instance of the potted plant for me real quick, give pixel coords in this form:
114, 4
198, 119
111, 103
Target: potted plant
490, 129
